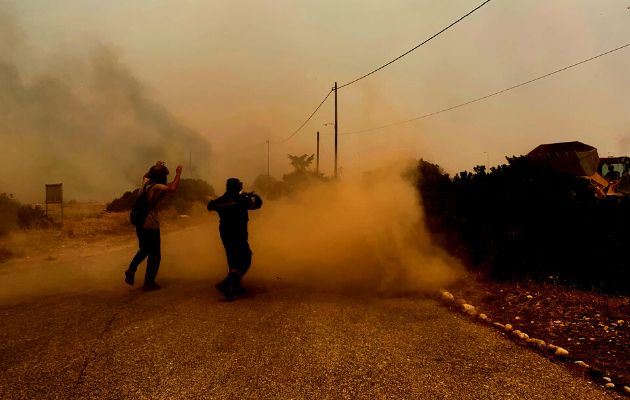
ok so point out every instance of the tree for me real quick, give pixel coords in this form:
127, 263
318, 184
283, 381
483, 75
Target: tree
301, 163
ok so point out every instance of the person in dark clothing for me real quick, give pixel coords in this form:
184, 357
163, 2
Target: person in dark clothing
611, 175
232, 207
149, 232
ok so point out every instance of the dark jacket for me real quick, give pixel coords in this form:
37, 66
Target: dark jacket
232, 209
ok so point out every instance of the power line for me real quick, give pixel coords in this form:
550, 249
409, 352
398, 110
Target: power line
416, 47
305, 122
491, 94
378, 69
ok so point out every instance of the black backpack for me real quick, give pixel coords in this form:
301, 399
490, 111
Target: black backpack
140, 209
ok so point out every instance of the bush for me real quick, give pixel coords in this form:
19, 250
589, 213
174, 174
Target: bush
123, 203
8, 213
521, 221
14, 215
190, 191
30, 217
269, 187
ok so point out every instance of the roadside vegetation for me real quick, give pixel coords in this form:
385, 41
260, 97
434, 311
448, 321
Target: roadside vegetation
546, 255
517, 222
189, 193
521, 222
26, 230
301, 176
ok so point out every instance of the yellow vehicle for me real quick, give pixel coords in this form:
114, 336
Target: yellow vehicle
616, 170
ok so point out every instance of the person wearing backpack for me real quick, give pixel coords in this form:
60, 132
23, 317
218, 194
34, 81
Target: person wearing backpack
144, 215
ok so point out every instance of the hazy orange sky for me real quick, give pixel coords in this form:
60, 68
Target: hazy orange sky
240, 72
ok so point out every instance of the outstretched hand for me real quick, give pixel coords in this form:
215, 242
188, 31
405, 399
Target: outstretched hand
178, 170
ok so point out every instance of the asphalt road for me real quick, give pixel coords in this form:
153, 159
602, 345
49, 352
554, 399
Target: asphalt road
69, 328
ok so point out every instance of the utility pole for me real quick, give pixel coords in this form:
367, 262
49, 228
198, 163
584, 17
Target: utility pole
336, 127
267, 158
317, 161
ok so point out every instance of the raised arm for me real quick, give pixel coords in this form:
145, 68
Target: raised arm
174, 184
254, 201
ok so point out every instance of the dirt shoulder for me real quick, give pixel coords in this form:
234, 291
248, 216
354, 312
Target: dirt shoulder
593, 327
84, 225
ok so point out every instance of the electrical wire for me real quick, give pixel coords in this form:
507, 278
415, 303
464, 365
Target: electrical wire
489, 95
378, 69
416, 47
304, 123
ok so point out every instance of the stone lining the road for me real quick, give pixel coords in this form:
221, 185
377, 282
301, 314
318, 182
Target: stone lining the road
547, 348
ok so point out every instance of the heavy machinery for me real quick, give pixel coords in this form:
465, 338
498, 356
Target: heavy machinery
578, 159
616, 170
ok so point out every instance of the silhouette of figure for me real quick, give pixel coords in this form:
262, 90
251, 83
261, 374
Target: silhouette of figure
232, 207
148, 233
611, 175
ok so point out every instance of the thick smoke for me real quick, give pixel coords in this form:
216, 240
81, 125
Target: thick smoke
363, 235
366, 234
86, 122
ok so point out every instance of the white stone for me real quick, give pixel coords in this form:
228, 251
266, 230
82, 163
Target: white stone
610, 385
469, 308
626, 389
607, 379
498, 325
520, 335
561, 352
582, 364
529, 296
508, 327
447, 296
537, 342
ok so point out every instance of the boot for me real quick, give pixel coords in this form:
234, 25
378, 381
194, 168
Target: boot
129, 277
225, 287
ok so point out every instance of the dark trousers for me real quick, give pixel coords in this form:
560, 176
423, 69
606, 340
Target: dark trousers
149, 243
238, 253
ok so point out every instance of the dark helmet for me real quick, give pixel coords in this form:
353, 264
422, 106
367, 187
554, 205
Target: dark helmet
233, 185
158, 173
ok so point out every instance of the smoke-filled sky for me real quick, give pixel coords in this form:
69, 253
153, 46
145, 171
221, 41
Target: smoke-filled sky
239, 73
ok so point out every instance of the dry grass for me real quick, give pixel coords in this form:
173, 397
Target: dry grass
96, 225
84, 222
80, 220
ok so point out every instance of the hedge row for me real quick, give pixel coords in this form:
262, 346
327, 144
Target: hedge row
521, 221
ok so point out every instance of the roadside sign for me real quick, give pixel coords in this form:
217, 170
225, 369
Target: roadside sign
54, 195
